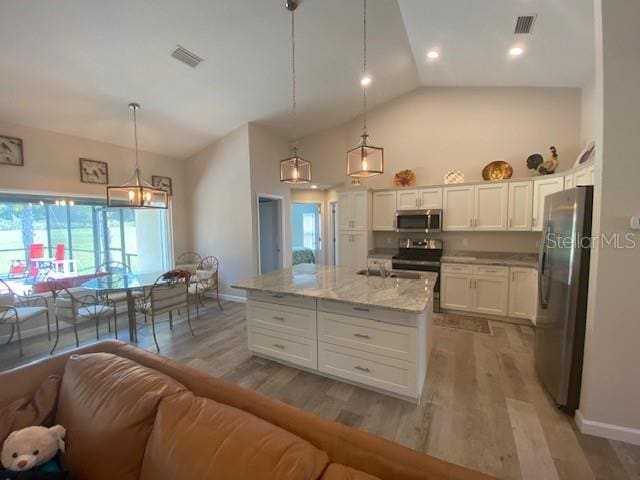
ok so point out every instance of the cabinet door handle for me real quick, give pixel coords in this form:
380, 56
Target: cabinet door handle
513, 276
275, 317
361, 335
533, 221
510, 222
361, 309
362, 369
279, 346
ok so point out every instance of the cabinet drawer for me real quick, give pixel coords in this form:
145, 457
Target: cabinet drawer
297, 350
291, 320
371, 313
282, 299
456, 268
491, 271
370, 369
376, 337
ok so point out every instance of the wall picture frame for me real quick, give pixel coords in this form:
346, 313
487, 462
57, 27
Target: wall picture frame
11, 151
94, 171
162, 183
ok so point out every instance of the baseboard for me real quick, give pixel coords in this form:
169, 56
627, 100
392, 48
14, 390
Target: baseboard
233, 298
607, 430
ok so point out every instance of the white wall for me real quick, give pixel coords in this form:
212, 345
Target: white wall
610, 400
219, 181
433, 130
265, 152
588, 111
51, 166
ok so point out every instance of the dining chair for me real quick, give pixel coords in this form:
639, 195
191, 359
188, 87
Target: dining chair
205, 280
188, 261
117, 268
74, 308
16, 309
169, 293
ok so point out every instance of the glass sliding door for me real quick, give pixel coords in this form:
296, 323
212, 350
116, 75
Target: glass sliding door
305, 233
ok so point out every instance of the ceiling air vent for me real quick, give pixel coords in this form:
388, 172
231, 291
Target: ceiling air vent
186, 57
524, 24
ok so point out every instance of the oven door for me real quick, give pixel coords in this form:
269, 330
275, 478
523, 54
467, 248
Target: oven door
418, 221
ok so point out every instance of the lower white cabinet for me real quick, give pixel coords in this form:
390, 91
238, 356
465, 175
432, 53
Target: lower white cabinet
491, 290
523, 293
337, 339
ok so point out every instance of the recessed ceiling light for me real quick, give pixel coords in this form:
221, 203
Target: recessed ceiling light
314, 186
516, 51
365, 81
432, 55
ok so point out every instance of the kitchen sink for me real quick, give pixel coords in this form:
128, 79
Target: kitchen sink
390, 274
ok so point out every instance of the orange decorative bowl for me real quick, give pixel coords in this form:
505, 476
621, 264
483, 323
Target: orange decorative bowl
404, 178
498, 170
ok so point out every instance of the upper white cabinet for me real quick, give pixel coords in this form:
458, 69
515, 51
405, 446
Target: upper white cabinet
476, 207
427, 198
384, 210
353, 210
541, 188
520, 201
458, 208
583, 177
490, 206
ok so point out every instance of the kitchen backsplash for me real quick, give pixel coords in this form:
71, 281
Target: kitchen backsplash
517, 242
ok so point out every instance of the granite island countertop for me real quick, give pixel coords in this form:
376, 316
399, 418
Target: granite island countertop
507, 259
343, 284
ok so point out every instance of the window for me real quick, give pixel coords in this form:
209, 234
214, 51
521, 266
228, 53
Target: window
45, 236
309, 230
305, 233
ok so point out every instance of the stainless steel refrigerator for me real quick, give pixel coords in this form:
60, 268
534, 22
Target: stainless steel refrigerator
563, 280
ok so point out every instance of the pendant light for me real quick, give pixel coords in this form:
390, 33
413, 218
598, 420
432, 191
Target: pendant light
294, 169
365, 160
137, 192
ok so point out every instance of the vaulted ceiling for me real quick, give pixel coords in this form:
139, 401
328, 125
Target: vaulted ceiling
72, 67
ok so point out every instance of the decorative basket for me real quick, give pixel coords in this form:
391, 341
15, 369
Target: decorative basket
404, 178
454, 176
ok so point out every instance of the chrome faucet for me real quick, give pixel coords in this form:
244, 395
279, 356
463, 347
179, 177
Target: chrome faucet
383, 270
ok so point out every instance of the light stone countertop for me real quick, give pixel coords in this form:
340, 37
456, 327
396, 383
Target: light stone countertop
506, 259
343, 284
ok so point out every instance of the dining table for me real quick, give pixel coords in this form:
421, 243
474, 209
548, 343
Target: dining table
124, 282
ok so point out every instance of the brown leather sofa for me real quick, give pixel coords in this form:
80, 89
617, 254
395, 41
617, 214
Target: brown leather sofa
131, 414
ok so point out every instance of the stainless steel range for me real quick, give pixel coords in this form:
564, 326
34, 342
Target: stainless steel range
420, 255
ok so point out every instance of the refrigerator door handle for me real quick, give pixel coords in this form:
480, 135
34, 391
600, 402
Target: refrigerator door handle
544, 301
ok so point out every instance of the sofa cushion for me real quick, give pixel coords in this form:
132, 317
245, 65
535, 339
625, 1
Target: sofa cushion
198, 438
36, 409
108, 405
335, 471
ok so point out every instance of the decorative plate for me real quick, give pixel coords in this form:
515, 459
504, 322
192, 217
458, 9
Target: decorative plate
454, 176
404, 178
498, 170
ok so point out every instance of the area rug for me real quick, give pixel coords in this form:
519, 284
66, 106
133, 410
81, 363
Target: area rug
469, 324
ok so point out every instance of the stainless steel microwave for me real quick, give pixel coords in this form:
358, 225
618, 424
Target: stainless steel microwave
418, 221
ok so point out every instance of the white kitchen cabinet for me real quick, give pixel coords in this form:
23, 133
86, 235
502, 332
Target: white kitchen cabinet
353, 210
568, 181
541, 188
520, 206
423, 198
352, 249
457, 207
455, 288
490, 294
583, 177
384, 211
490, 206
523, 288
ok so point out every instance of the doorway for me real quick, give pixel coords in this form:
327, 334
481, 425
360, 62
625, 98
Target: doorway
269, 233
306, 235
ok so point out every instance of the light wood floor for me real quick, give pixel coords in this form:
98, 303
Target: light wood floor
483, 406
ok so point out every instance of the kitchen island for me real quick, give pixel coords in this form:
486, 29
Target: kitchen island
364, 329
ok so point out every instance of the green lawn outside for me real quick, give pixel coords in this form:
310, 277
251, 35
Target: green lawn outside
82, 239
